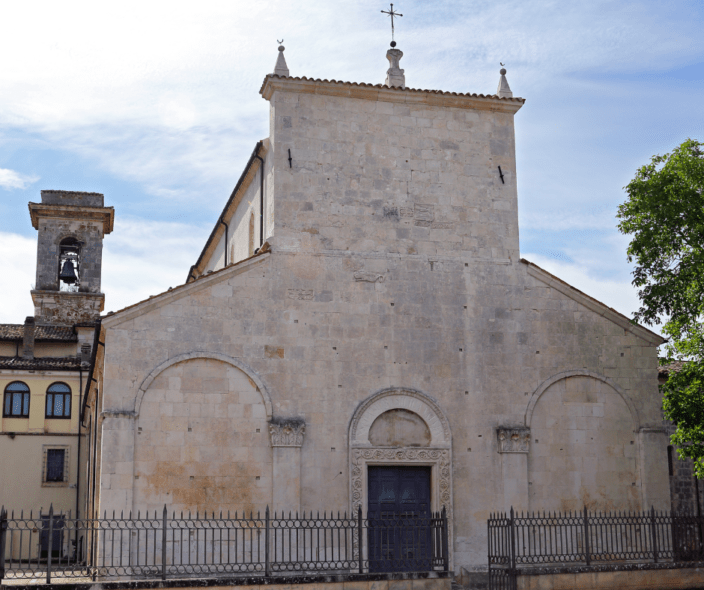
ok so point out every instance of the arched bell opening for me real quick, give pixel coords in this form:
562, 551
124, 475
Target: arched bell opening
70, 265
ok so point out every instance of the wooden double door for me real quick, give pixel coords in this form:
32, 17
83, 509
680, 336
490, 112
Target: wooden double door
399, 519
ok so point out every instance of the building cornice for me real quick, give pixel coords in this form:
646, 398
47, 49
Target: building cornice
378, 92
104, 214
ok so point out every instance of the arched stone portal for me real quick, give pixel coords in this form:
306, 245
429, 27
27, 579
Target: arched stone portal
426, 441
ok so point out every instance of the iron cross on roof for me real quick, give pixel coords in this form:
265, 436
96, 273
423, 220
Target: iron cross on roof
392, 14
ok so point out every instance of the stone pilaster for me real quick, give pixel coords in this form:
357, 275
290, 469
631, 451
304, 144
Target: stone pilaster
287, 440
514, 446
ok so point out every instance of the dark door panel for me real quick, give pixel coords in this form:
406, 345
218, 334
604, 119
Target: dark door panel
399, 519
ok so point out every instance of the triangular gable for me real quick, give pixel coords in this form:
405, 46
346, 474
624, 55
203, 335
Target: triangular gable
592, 304
188, 289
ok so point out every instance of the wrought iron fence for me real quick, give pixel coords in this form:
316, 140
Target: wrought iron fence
586, 538
219, 545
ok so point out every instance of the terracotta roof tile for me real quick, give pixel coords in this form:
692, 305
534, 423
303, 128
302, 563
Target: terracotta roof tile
40, 364
664, 370
385, 87
41, 333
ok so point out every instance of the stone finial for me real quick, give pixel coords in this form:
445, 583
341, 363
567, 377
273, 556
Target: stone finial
281, 69
394, 75
513, 440
504, 90
287, 432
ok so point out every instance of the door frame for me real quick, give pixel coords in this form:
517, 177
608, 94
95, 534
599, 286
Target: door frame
437, 456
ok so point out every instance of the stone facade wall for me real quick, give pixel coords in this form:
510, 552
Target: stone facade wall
392, 274
393, 176
686, 493
583, 450
321, 342
202, 441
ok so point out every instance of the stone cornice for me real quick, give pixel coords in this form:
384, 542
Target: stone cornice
377, 92
104, 214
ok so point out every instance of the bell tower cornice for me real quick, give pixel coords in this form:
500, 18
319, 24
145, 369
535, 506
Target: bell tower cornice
106, 215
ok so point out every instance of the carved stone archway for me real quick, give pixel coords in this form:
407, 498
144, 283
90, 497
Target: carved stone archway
437, 456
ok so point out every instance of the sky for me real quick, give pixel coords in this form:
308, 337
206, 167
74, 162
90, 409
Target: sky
156, 105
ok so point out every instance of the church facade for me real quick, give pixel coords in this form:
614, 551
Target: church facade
360, 317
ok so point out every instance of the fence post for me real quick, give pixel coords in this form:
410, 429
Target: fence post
512, 548
587, 549
267, 571
654, 534
50, 544
163, 546
359, 535
445, 534
3, 533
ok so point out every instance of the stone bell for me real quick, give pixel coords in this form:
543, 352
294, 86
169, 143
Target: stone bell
68, 273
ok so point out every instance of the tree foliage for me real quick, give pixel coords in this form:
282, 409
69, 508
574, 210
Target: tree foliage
664, 214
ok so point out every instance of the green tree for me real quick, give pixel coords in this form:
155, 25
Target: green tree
664, 214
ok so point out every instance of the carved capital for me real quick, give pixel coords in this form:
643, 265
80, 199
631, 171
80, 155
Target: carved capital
287, 432
513, 440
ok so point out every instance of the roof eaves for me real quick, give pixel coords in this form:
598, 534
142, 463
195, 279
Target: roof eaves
384, 87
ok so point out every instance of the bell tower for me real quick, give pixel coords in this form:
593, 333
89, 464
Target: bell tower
71, 228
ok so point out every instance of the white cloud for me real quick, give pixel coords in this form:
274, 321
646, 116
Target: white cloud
143, 258
171, 98
10, 179
17, 254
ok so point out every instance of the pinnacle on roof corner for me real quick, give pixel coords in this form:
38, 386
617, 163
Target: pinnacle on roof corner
281, 69
504, 90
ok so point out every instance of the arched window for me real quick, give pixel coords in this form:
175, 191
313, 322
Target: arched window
69, 264
251, 234
58, 401
16, 402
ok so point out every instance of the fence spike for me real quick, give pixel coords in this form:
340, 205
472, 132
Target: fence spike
22, 514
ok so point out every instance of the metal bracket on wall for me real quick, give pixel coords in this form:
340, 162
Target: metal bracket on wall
501, 174
290, 165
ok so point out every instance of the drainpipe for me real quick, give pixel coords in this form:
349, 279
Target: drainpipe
227, 228
78, 454
261, 201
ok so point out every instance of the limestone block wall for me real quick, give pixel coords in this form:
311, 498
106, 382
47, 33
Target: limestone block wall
51, 232
583, 449
391, 171
318, 333
202, 441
